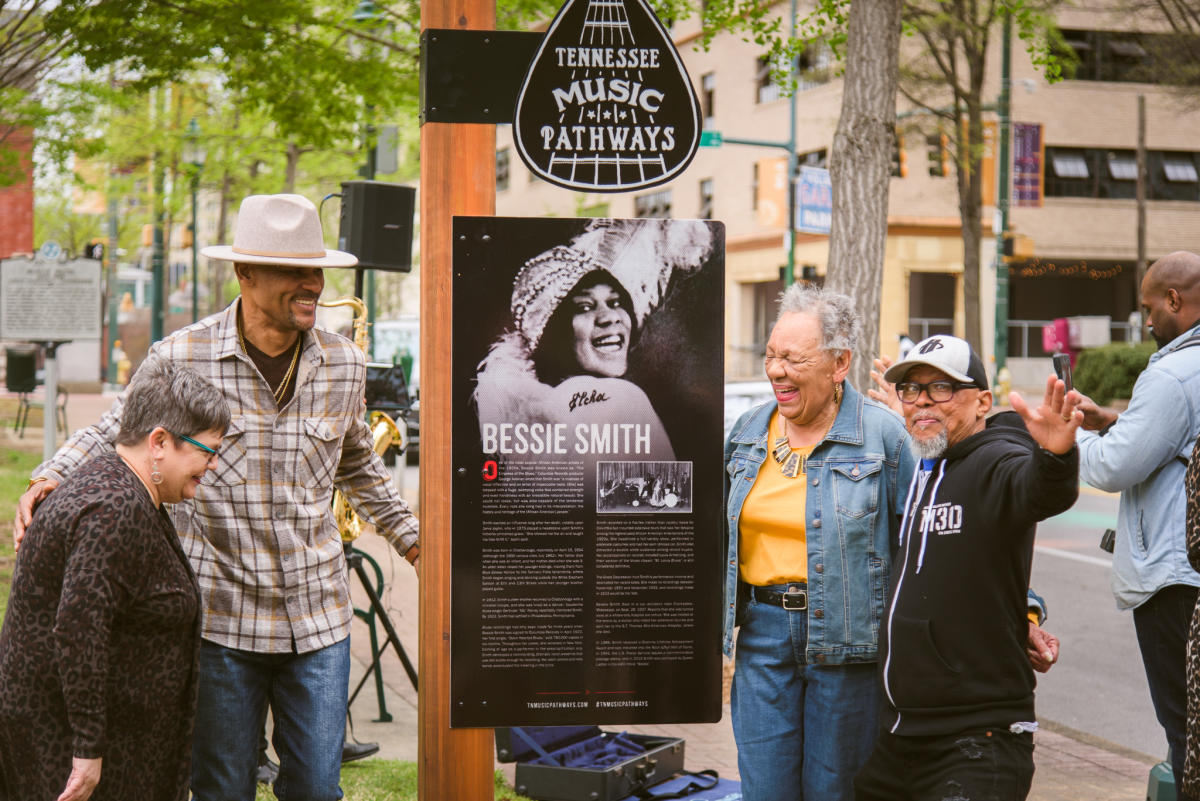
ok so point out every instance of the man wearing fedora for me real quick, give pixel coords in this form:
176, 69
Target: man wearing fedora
259, 534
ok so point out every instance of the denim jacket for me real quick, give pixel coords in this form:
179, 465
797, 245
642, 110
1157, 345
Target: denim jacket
1144, 457
857, 478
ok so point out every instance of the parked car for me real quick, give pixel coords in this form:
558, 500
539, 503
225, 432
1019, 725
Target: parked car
741, 396
398, 341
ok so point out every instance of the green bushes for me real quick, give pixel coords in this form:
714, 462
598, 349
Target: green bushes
1106, 373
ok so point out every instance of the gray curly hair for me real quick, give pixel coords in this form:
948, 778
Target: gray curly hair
163, 393
840, 323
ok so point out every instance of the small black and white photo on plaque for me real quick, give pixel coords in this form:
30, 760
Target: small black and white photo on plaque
643, 487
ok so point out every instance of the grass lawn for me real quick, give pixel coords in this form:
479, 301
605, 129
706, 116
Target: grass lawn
15, 467
369, 780
389, 780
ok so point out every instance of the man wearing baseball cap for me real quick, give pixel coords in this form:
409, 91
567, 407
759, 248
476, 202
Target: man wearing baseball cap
259, 534
958, 685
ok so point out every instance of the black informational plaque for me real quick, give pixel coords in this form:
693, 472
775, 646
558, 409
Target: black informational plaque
587, 555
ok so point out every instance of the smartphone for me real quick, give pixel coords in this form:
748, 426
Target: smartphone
1062, 366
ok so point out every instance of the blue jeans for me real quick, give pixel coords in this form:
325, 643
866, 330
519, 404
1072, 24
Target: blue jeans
777, 698
1162, 625
307, 694
991, 764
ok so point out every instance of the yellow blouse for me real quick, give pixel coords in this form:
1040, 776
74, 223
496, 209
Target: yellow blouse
771, 546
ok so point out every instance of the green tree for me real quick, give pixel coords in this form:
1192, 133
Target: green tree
945, 78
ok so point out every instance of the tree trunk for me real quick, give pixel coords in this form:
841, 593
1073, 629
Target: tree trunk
860, 169
293, 161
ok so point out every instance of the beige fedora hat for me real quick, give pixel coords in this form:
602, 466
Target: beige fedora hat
279, 229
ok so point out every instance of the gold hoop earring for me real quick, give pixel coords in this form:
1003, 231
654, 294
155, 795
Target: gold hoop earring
837, 394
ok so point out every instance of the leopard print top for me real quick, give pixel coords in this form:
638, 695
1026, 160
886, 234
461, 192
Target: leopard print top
99, 645
1191, 770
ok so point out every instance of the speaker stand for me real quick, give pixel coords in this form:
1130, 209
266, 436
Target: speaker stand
354, 559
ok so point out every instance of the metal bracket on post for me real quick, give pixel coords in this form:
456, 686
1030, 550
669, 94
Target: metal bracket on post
473, 76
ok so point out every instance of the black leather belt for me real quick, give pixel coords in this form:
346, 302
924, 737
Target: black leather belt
794, 600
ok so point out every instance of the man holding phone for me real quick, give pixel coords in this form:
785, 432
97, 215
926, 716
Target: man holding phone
1142, 453
1062, 367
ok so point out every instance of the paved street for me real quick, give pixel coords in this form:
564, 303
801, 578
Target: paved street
1098, 685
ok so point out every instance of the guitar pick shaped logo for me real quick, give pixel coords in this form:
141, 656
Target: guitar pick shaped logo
606, 105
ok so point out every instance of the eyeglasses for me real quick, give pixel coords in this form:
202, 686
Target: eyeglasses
199, 445
938, 391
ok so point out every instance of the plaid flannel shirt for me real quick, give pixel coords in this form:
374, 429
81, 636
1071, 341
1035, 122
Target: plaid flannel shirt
260, 533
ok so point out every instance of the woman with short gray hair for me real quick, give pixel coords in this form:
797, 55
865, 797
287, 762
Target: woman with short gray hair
99, 646
813, 495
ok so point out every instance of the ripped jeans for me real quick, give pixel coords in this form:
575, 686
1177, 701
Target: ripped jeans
975, 765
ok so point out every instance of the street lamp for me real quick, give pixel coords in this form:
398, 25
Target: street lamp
193, 154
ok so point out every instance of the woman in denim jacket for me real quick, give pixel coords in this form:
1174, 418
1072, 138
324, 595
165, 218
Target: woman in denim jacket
814, 493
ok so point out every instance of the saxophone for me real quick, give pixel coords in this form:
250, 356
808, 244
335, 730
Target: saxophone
384, 432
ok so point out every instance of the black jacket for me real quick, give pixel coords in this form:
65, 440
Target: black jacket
953, 645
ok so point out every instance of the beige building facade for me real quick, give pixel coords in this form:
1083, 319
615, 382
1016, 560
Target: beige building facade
1082, 235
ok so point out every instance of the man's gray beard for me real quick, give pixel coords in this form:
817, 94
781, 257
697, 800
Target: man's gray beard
930, 448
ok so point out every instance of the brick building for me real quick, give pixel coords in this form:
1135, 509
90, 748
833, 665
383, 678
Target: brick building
16, 200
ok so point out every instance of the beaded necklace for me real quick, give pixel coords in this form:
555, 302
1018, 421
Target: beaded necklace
794, 461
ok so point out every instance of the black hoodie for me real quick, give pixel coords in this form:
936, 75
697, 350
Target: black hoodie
952, 649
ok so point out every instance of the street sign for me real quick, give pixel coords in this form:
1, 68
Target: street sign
50, 250
49, 301
710, 139
607, 105
814, 201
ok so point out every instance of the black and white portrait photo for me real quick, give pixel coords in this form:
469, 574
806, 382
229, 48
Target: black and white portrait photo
576, 363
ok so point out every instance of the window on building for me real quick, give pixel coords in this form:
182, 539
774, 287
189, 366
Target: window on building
706, 199
1180, 168
708, 90
814, 66
1112, 174
1122, 165
654, 204
767, 89
1116, 55
814, 158
1070, 173
502, 169
1068, 163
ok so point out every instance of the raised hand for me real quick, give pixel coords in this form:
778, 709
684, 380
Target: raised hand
884, 391
1052, 424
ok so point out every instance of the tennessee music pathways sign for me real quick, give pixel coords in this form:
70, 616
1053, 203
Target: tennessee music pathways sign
606, 105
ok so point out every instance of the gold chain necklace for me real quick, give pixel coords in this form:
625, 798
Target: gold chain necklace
281, 390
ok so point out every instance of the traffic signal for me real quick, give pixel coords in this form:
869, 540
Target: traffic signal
937, 148
899, 157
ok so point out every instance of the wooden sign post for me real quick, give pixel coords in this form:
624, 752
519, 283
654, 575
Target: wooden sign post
457, 177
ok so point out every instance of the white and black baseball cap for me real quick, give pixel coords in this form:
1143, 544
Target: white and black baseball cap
951, 355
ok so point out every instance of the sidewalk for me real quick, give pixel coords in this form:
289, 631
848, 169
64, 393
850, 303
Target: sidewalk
1070, 766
